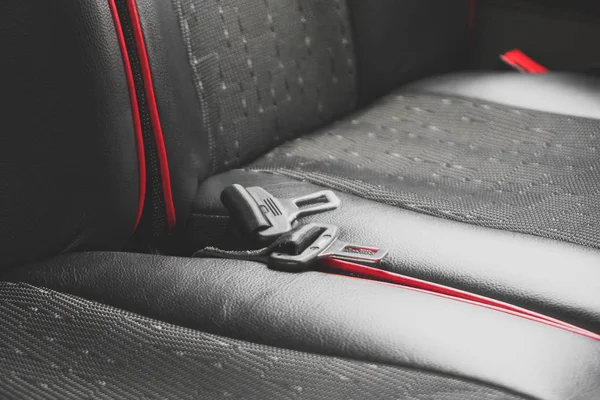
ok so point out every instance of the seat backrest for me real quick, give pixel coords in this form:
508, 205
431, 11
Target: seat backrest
234, 78
69, 167
119, 108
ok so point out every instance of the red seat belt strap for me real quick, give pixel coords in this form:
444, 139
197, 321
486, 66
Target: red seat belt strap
522, 62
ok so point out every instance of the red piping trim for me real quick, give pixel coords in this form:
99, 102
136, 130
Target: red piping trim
154, 116
137, 124
422, 286
522, 62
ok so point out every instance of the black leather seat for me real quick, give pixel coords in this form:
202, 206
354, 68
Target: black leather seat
236, 327
482, 181
483, 164
121, 138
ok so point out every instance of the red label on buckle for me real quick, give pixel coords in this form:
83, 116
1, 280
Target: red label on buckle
522, 62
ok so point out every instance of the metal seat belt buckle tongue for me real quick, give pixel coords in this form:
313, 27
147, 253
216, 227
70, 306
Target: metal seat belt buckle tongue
302, 249
318, 242
265, 217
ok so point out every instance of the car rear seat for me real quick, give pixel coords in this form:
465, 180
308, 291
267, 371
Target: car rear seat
76, 176
481, 181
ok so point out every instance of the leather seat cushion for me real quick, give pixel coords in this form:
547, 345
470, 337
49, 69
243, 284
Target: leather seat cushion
99, 351
447, 183
554, 278
557, 92
292, 319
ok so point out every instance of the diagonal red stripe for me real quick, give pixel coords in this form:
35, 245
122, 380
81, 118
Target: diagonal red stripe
451, 293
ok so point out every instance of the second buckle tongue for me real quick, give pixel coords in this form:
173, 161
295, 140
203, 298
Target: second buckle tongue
269, 221
265, 217
312, 243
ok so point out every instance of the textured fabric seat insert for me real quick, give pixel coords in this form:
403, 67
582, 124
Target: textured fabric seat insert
273, 68
466, 160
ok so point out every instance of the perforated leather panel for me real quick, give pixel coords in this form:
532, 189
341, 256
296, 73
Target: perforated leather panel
465, 160
59, 346
266, 71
